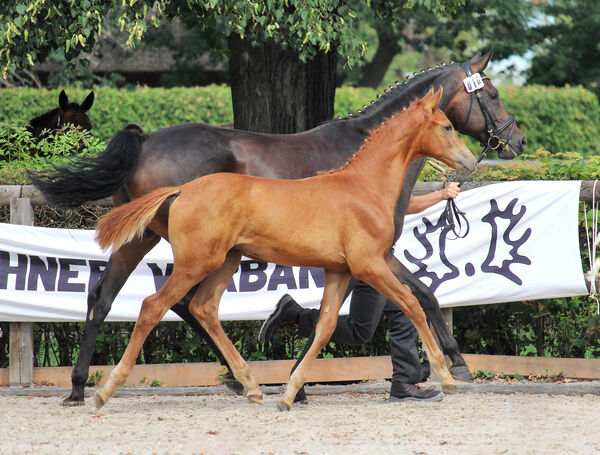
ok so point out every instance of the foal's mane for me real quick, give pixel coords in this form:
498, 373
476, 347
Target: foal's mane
381, 133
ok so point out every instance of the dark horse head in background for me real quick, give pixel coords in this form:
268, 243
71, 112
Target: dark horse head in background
66, 114
135, 163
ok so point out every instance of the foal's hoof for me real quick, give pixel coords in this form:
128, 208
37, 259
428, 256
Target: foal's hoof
283, 406
255, 398
98, 400
449, 389
461, 373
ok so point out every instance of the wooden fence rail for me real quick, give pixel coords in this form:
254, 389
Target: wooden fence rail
22, 373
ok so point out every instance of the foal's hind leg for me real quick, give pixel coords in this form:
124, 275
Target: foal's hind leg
378, 274
153, 309
429, 303
100, 299
205, 307
333, 296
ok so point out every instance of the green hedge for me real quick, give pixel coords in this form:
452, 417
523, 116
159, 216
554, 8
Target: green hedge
556, 119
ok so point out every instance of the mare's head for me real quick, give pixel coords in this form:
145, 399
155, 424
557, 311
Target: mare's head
437, 137
66, 113
476, 109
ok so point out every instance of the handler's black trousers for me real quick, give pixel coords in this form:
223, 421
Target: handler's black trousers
366, 307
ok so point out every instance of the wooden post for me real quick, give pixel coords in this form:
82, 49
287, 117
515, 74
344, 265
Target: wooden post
21, 333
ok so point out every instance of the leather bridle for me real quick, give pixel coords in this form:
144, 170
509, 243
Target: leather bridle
494, 142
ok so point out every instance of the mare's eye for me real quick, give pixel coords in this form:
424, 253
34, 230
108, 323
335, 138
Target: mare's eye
494, 95
448, 127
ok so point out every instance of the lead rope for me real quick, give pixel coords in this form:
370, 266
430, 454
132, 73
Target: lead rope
591, 246
454, 216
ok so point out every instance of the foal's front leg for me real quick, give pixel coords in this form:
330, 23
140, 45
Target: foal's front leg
378, 274
333, 297
429, 303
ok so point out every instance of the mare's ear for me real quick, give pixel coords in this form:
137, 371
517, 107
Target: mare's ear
63, 100
87, 102
432, 99
480, 62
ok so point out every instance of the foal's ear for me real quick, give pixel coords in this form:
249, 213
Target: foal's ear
87, 102
63, 100
432, 99
480, 62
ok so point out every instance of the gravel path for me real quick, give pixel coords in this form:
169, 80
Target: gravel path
355, 420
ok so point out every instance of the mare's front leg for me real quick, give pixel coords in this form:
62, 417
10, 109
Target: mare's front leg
100, 299
429, 303
333, 296
378, 274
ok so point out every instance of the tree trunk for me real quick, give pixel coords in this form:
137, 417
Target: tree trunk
388, 47
273, 91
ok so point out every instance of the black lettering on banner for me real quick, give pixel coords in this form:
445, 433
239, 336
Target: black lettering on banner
317, 274
513, 218
19, 270
47, 274
67, 274
160, 278
96, 270
252, 275
282, 275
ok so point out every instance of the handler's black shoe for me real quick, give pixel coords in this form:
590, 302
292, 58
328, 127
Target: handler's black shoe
412, 392
286, 313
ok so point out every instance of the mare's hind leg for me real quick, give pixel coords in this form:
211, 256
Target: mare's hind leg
153, 309
378, 274
429, 303
205, 307
333, 296
100, 299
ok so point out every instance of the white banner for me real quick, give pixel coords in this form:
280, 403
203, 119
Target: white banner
523, 245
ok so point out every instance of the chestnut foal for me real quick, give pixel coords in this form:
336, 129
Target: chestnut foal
341, 221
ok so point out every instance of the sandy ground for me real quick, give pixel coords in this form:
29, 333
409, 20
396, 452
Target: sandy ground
331, 423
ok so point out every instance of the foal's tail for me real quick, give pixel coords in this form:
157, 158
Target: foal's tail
87, 179
127, 221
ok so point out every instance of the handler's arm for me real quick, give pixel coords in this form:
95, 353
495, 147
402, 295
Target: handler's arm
417, 204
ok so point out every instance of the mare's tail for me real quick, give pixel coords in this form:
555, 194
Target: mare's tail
127, 221
86, 179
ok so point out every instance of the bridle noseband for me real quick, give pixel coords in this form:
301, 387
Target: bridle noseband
473, 85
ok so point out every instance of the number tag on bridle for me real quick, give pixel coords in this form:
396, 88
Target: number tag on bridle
472, 83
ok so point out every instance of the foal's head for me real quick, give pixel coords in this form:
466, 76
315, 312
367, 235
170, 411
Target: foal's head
437, 137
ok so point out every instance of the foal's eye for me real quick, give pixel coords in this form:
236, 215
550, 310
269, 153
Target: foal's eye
448, 127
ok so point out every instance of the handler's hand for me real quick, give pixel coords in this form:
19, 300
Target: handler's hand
451, 191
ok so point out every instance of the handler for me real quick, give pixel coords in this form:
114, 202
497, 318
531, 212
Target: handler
366, 307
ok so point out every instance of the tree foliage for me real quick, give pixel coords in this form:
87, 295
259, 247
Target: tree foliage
31, 29
566, 45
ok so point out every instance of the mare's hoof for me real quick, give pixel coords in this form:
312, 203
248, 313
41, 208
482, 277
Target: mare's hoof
283, 406
255, 398
449, 389
72, 402
461, 373
233, 384
98, 400
301, 396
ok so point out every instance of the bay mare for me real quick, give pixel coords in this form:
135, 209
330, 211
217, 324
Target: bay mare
342, 221
134, 164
